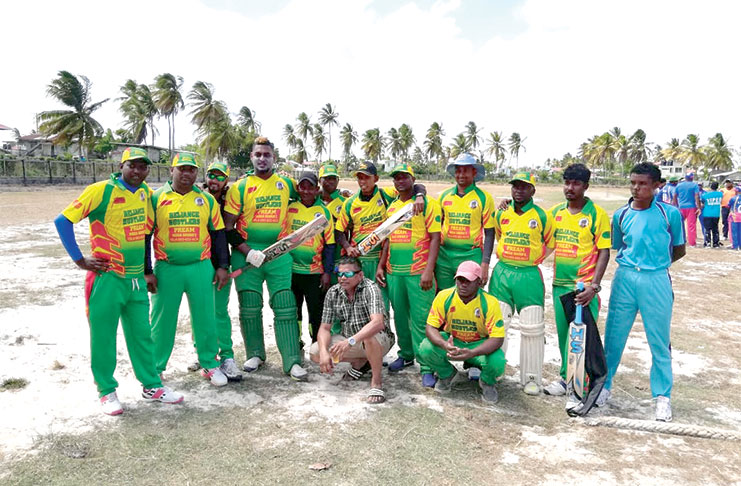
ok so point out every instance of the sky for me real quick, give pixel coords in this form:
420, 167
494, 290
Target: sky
557, 72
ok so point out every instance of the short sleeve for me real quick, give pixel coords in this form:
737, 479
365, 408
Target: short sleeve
602, 230
676, 226
433, 217
375, 299
343, 219
329, 229
487, 215
215, 222
233, 201
85, 203
494, 323
436, 317
548, 237
617, 234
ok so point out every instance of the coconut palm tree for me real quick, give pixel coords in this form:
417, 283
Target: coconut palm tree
289, 135
210, 116
673, 151
718, 153
320, 140
394, 143
622, 152
169, 101
222, 139
472, 136
639, 151
304, 129
373, 144
516, 143
349, 137
691, 151
139, 110
433, 143
496, 148
76, 125
459, 145
247, 120
407, 140
328, 117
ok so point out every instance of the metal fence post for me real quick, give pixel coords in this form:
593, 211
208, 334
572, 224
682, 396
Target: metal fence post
93, 171
23, 166
74, 172
49, 164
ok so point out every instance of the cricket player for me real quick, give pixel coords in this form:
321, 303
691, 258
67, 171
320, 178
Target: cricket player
255, 214
525, 238
184, 216
581, 233
407, 269
688, 199
648, 237
465, 324
120, 213
313, 261
467, 222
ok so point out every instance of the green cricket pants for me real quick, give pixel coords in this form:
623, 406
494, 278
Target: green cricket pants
562, 325
196, 281
519, 287
110, 298
492, 365
277, 275
411, 306
223, 321
447, 264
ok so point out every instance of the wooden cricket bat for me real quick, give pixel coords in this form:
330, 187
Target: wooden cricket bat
290, 242
385, 229
575, 359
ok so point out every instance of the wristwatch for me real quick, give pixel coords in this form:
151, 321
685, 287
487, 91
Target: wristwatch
596, 288
351, 341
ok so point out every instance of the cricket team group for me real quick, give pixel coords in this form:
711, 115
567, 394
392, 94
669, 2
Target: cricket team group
431, 267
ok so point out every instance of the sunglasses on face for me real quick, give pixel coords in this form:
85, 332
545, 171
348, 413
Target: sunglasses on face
349, 274
220, 178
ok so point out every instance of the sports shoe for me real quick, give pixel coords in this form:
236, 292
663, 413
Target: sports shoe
531, 388
663, 409
230, 369
162, 394
252, 364
488, 392
400, 363
298, 373
474, 373
444, 385
429, 380
572, 402
215, 375
111, 405
604, 395
556, 389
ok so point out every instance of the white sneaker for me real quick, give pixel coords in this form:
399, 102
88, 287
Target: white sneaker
216, 376
556, 389
111, 405
252, 364
604, 395
230, 369
299, 374
572, 402
162, 394
663, 409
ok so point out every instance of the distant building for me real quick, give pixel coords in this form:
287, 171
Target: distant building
733, 175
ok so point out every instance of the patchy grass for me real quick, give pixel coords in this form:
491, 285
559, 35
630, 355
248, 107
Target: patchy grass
11, 384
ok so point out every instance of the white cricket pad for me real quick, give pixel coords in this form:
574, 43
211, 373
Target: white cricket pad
532, 344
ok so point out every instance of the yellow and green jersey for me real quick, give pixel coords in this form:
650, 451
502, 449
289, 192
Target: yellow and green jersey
361, 216
307, 258
409, 245
335, 205
578, 239
465, 218
119, 221
479, 319
182, 223
261, 206
523, 238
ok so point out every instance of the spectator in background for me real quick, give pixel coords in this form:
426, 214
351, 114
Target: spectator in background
734, 206
728, 192
710, 201
688, 197
668, 192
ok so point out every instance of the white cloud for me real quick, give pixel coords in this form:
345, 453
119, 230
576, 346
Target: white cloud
579, 68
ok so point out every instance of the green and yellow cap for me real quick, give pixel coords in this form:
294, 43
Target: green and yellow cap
184, 159
403, 168
328, 170
220, 166
135, 153
528, 177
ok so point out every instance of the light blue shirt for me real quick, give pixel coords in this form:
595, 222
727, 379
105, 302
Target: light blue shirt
686, 191
711, 204
645, 238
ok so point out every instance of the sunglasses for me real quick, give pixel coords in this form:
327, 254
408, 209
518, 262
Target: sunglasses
220, 178
349, 274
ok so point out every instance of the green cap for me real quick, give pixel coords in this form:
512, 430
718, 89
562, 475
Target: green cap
403, 168
674, 179
135, 153
328, 170
220, 166
528, 177
184, 159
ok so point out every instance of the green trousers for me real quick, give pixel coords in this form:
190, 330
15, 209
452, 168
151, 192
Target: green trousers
447, 264
111, 298
223, 321
519, 287
562, 325
369, 270
196, 281
411, 306
277, 275
492, 365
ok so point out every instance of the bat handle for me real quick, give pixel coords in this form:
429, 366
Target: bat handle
579, 317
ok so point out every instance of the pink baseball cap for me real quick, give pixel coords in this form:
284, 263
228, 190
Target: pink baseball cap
469, 270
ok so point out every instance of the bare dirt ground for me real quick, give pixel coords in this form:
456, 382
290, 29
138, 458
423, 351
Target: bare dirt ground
268, 429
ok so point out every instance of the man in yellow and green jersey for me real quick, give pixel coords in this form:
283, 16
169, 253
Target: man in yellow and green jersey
333, 199
582, 249
256, 210
184, 215
524, 234
313, 261
468, 223
120, 213
465, 324
407, 270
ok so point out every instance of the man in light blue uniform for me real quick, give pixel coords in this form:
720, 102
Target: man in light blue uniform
668, 193
648, 236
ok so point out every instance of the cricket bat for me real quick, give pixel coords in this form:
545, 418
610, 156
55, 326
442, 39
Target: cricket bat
385, 229
290, 242
575, 359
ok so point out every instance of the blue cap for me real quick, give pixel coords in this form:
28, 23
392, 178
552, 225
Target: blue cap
466, 159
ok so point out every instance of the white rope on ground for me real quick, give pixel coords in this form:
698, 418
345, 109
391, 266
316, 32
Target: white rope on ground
664, 428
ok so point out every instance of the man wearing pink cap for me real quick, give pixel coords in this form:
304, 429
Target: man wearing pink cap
465, 324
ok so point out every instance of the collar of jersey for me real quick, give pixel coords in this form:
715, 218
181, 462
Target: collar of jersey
527, 207
478, 296
115, 178
587, 204
335, 194
364, 199
466, 190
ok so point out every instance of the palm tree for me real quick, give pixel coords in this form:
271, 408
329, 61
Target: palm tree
639, 151
247, 120
328, 117
718, 153
459, 145
208, 115
222, 138
496, 148
673, 151
169, 101
373, 144
139, 110
515, 145
622, 152
472, 136
692, 153
394, 143
407, 139
349, 138
289, 135
320, 140
76, 125
303, 129
434, 142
